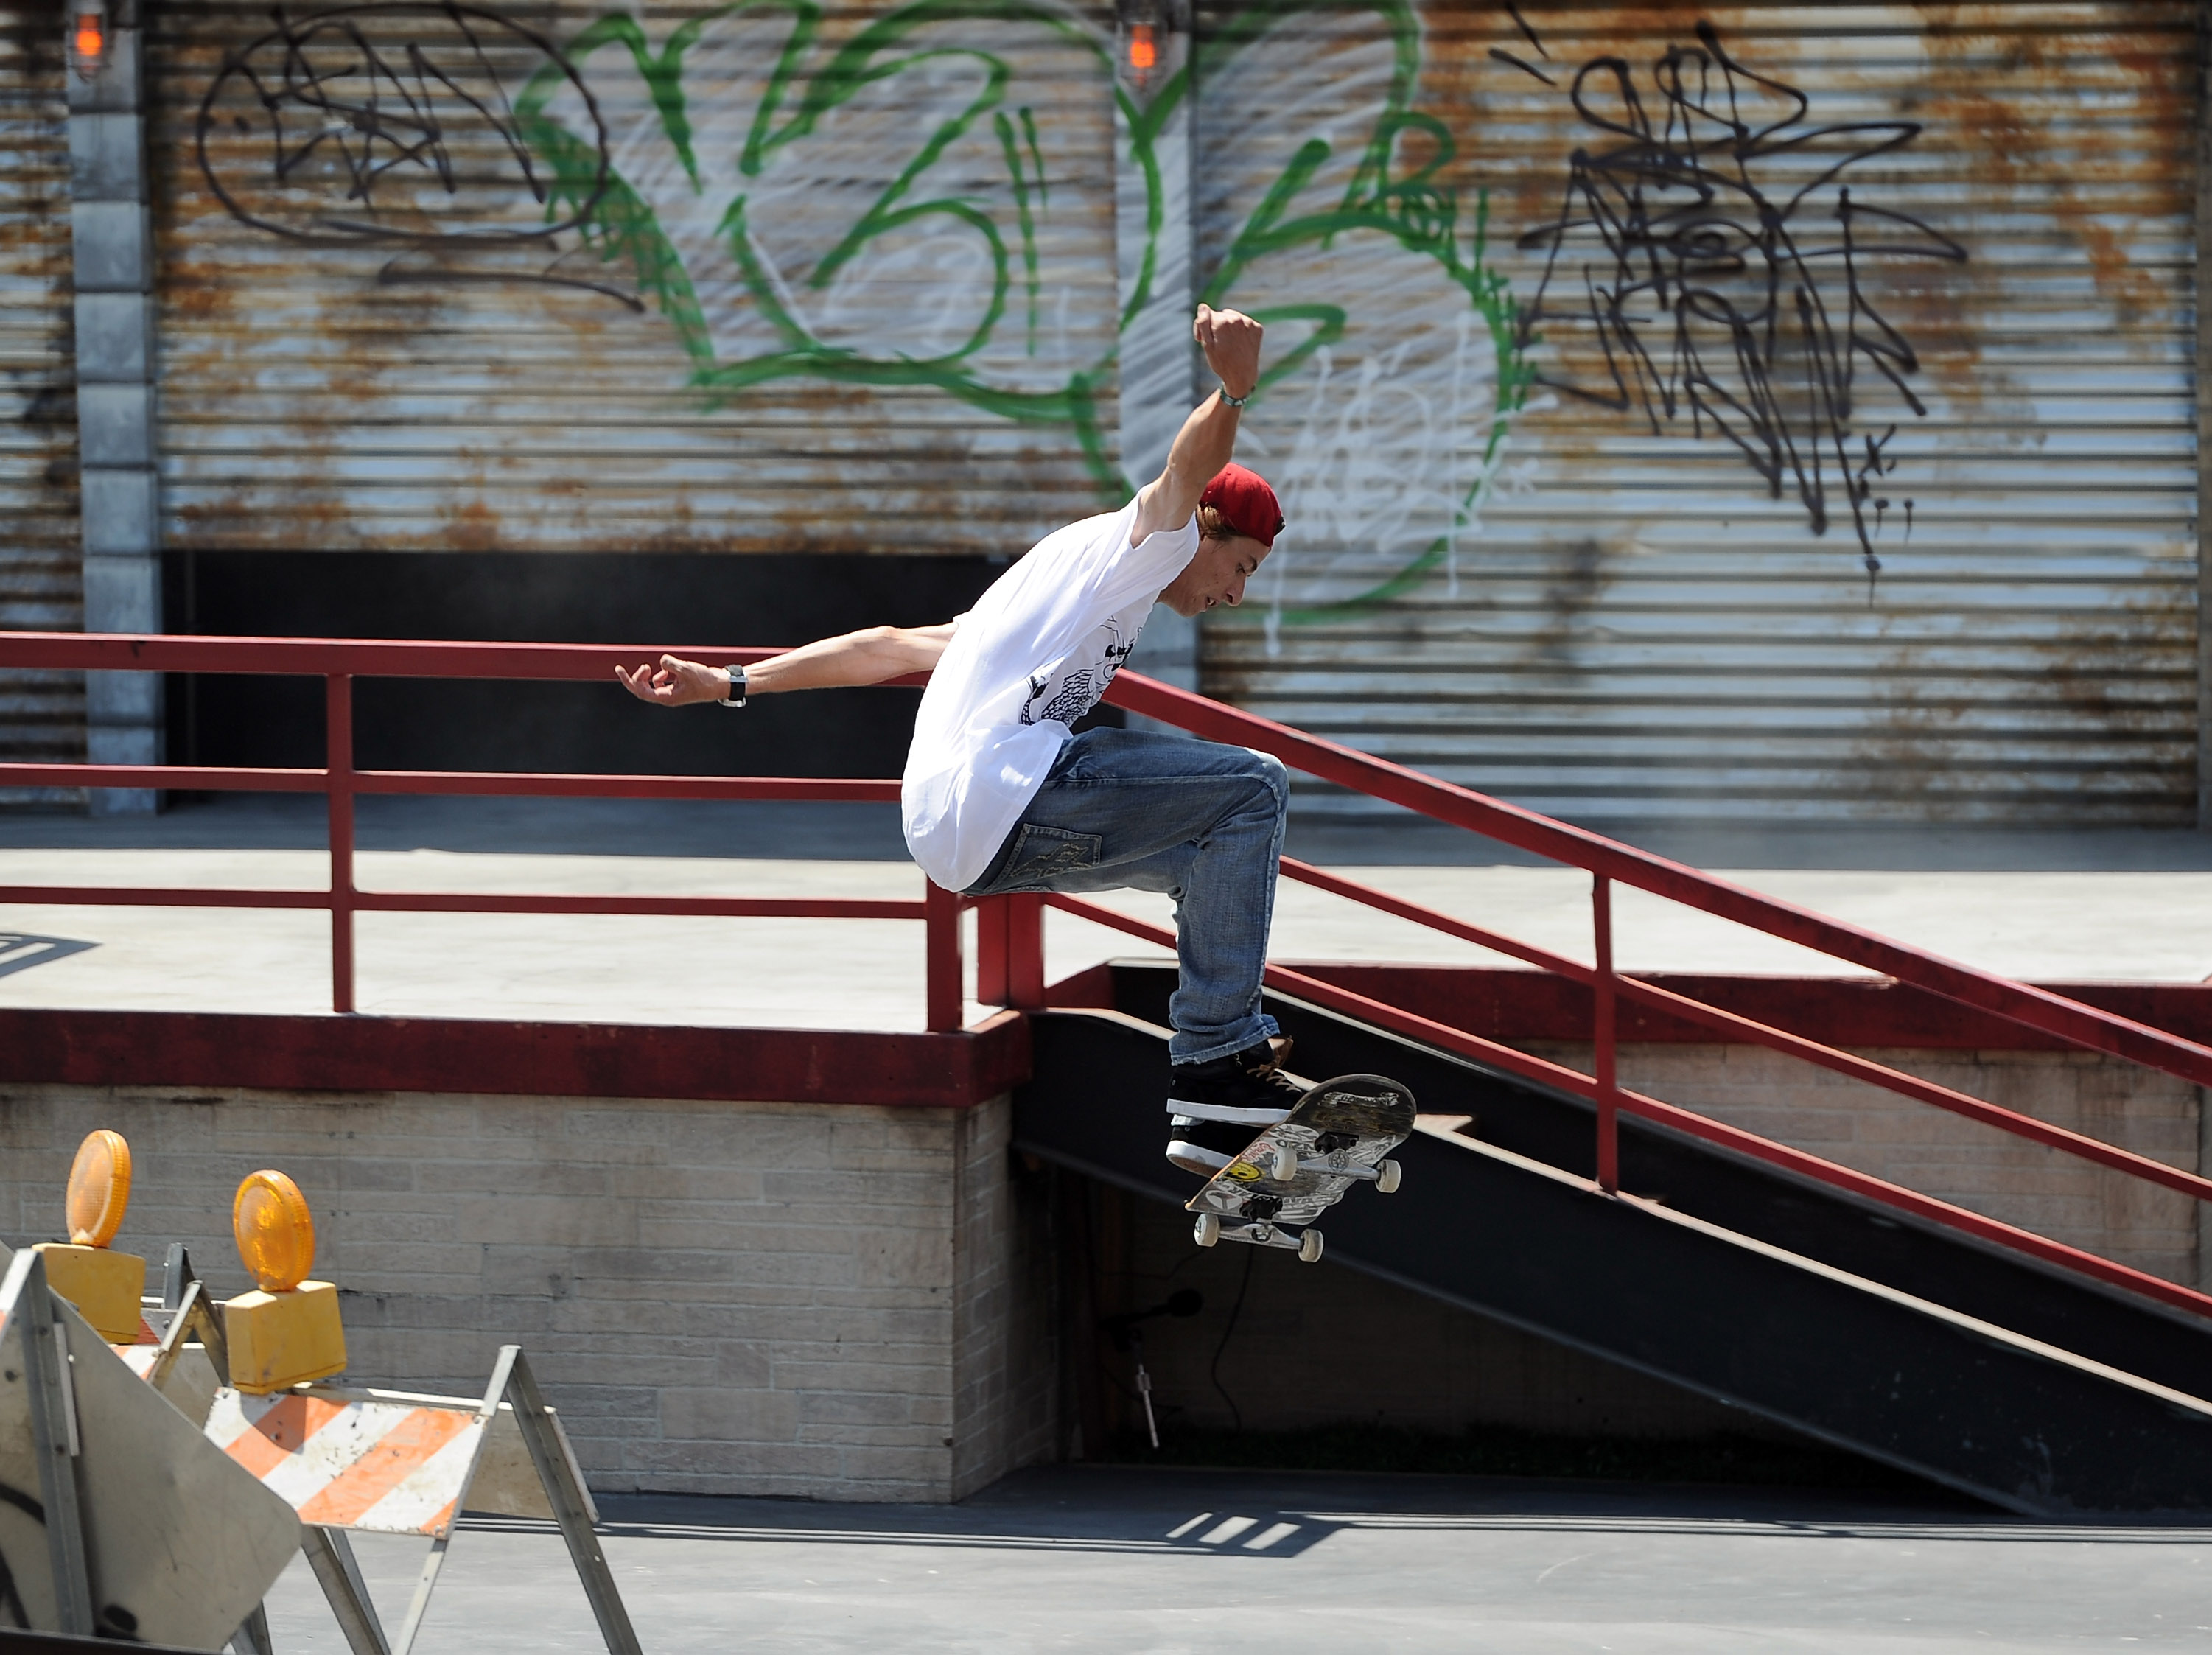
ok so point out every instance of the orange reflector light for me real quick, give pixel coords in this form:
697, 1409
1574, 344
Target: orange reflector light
275, 1232
89, 39
1144, 49
99, 1187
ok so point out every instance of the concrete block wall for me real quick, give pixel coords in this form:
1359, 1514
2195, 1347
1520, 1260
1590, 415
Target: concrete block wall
1931, 1150
802, 1299
1006, 1357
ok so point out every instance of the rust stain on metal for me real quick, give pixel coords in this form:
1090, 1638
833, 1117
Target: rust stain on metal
2099, 678
2003, 85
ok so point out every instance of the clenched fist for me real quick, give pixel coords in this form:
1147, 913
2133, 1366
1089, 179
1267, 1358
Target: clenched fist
1231, 340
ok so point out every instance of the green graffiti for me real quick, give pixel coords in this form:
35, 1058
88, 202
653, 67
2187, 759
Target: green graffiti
1412, 205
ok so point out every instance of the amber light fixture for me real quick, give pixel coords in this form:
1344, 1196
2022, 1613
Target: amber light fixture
275, 1232
1153, 41
87, 40
287, 1331
105, 1285
99, 1189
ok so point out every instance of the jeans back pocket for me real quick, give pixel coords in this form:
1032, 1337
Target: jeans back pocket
1043, 854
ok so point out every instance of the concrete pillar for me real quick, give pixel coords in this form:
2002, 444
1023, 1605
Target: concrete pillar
112, 236
1158, 363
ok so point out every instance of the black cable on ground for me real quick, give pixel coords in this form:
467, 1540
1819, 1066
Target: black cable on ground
1251, 1255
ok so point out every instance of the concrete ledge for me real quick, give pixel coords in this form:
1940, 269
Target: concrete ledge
569, 1059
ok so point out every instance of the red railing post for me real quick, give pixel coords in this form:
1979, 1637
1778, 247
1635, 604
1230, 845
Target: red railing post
1025, 951
941, 925
337, 762
1609, 1083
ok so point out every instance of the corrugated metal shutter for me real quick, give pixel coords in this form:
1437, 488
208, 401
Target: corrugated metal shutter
888, 326
1604, 611
42, 571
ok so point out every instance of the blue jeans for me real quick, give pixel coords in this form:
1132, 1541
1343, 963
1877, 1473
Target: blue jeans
1129, 810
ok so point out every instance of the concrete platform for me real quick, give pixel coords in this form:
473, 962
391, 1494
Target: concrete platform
2043, 907
1083, 1559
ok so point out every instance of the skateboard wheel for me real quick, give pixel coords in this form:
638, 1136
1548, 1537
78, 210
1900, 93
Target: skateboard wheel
1286, 1167
1207, 1230
1386, 1175
1309, 1247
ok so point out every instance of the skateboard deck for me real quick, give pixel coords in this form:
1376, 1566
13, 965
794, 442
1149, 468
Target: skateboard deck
1336, 1135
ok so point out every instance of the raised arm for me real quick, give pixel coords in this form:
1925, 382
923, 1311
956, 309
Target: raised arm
869, 656
1207, 441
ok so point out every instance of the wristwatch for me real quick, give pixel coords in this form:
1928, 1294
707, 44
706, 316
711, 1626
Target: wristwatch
1228, 401
736, 695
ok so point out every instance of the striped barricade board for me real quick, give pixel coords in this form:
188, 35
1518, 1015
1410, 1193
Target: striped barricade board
390, 1461
349, 1459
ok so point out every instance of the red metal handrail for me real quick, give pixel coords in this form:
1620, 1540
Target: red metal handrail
1751, 1031
2037, 1008
1466, 1043
338, 661
1608, 862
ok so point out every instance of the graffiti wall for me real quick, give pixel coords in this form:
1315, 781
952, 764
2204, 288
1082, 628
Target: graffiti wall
1749, 411
1753, 410
747, 278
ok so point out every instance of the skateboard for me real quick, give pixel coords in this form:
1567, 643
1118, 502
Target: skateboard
1336, 1135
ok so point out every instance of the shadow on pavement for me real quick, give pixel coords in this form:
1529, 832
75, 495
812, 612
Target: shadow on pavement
1106, 1509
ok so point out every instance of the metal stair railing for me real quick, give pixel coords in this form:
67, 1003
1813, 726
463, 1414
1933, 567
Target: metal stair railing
1008, 938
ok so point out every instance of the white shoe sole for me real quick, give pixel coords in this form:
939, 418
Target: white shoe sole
1196, 1159
1221, 1112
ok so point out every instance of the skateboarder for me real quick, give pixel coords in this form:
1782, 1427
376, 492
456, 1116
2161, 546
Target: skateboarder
1000, 796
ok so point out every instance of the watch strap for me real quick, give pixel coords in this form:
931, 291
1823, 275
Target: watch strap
1228, 401
736, 695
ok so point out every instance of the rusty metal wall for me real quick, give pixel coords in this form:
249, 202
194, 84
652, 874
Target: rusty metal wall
842, 282
585, 277
1550, 538
41, 578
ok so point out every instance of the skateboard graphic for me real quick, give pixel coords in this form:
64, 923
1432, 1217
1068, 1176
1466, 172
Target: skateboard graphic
1336, 1135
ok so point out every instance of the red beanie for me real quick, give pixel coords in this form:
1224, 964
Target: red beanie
1246, 501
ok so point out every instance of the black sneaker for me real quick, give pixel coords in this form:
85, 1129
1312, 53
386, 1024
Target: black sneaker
1219, 1107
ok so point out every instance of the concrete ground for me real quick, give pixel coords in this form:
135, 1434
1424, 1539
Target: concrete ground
1081, 1559
2116, 905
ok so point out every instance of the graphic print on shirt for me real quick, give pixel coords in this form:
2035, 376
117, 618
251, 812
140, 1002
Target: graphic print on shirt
1074, 687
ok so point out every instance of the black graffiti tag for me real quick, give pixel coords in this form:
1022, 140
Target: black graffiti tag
389, 124
1712, 253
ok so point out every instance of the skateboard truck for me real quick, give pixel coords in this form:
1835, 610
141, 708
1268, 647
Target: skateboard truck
1210, 1230
1383, 1175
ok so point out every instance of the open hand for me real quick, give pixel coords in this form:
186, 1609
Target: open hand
1231, 340
676, 683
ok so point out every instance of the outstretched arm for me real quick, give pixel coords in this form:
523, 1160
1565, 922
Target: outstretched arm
870, 656
1231, 340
